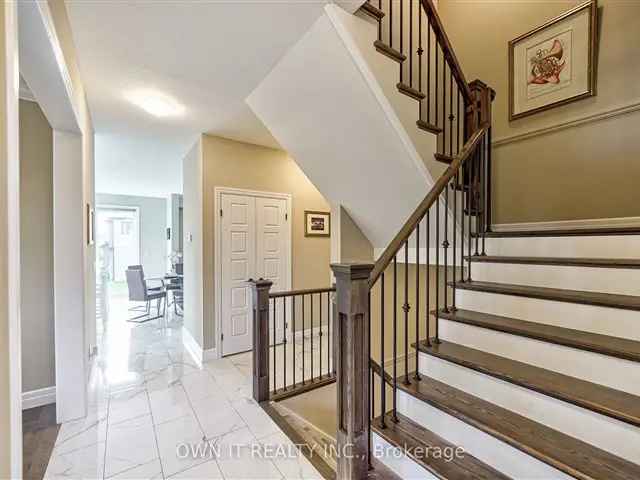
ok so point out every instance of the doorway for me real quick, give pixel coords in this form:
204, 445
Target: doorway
118, 237
253, 241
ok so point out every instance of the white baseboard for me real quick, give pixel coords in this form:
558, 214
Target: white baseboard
620, 222
38, 398
192, 347
210, 354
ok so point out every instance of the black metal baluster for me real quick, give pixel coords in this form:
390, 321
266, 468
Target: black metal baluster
380, 21
463, 172
445, 246
417, 301
401, 38
444, 105
391, 23
304, 354
395, 337
406, 308
330, 345
275, 347
458, 123
311, 330
435, 86
437, 310
428, 281
420, 51
428, 69
369, 405
293, 335
469, 172
476, 194
320, 315
451, 115
483, 183
411, 43
284, 340
455, 231
382, 385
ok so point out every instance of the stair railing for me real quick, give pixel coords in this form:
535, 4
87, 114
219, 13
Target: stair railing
292, 340
385, 316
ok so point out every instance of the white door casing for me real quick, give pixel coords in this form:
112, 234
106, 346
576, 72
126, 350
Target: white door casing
257, 222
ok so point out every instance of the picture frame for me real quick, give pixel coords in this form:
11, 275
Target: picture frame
317, 224
91, 224
555, 63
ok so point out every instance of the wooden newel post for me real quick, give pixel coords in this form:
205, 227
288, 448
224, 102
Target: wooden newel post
260, 292
352, 325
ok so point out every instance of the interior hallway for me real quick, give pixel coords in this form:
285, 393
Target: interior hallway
147, 396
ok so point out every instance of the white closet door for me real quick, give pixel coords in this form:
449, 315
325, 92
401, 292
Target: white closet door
238, 254
272, 256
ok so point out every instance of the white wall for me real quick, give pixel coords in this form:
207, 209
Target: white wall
193, 242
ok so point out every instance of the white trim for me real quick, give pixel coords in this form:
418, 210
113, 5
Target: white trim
27, 95
575, 122
210, 354
11, 256
620, 222
192, 347
38, 398
217, 235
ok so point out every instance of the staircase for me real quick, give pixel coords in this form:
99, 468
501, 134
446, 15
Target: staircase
519, 351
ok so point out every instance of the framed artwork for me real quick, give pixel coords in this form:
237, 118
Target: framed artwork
317, 224
554, 64
91, 224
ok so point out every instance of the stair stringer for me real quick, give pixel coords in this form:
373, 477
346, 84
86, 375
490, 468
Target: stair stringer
326, 107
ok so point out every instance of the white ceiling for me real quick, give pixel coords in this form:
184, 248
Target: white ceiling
207, 55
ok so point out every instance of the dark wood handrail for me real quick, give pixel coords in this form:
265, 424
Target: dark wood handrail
449, 54
409, 226
293, 293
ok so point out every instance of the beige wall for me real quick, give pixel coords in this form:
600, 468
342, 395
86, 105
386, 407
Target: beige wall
577, 173
354, 246
36, 243
228, 163
192, 178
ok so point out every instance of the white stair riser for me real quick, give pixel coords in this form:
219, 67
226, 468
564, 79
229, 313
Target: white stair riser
615, 322
400, 463
608, 434
607, 280
592, 367
496, 453
623, 246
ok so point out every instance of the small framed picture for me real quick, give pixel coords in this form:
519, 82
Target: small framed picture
317, 224
91, 224
554, 64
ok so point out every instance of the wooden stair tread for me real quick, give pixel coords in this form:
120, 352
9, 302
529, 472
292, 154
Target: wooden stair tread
413, 438
372, 10
570, 455
598, 398
422, 125
586, 232
593, 342
441, 157
390, 52
560, 261
627, 302
410, 91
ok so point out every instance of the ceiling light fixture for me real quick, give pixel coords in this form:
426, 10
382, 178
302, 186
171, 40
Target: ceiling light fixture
155, 103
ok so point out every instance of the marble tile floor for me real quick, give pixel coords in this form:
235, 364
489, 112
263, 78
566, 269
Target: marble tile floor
149, 403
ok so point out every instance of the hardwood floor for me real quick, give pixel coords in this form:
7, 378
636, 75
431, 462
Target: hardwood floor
39, 433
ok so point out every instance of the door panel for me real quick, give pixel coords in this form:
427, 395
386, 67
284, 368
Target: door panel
238, 265
272, 249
